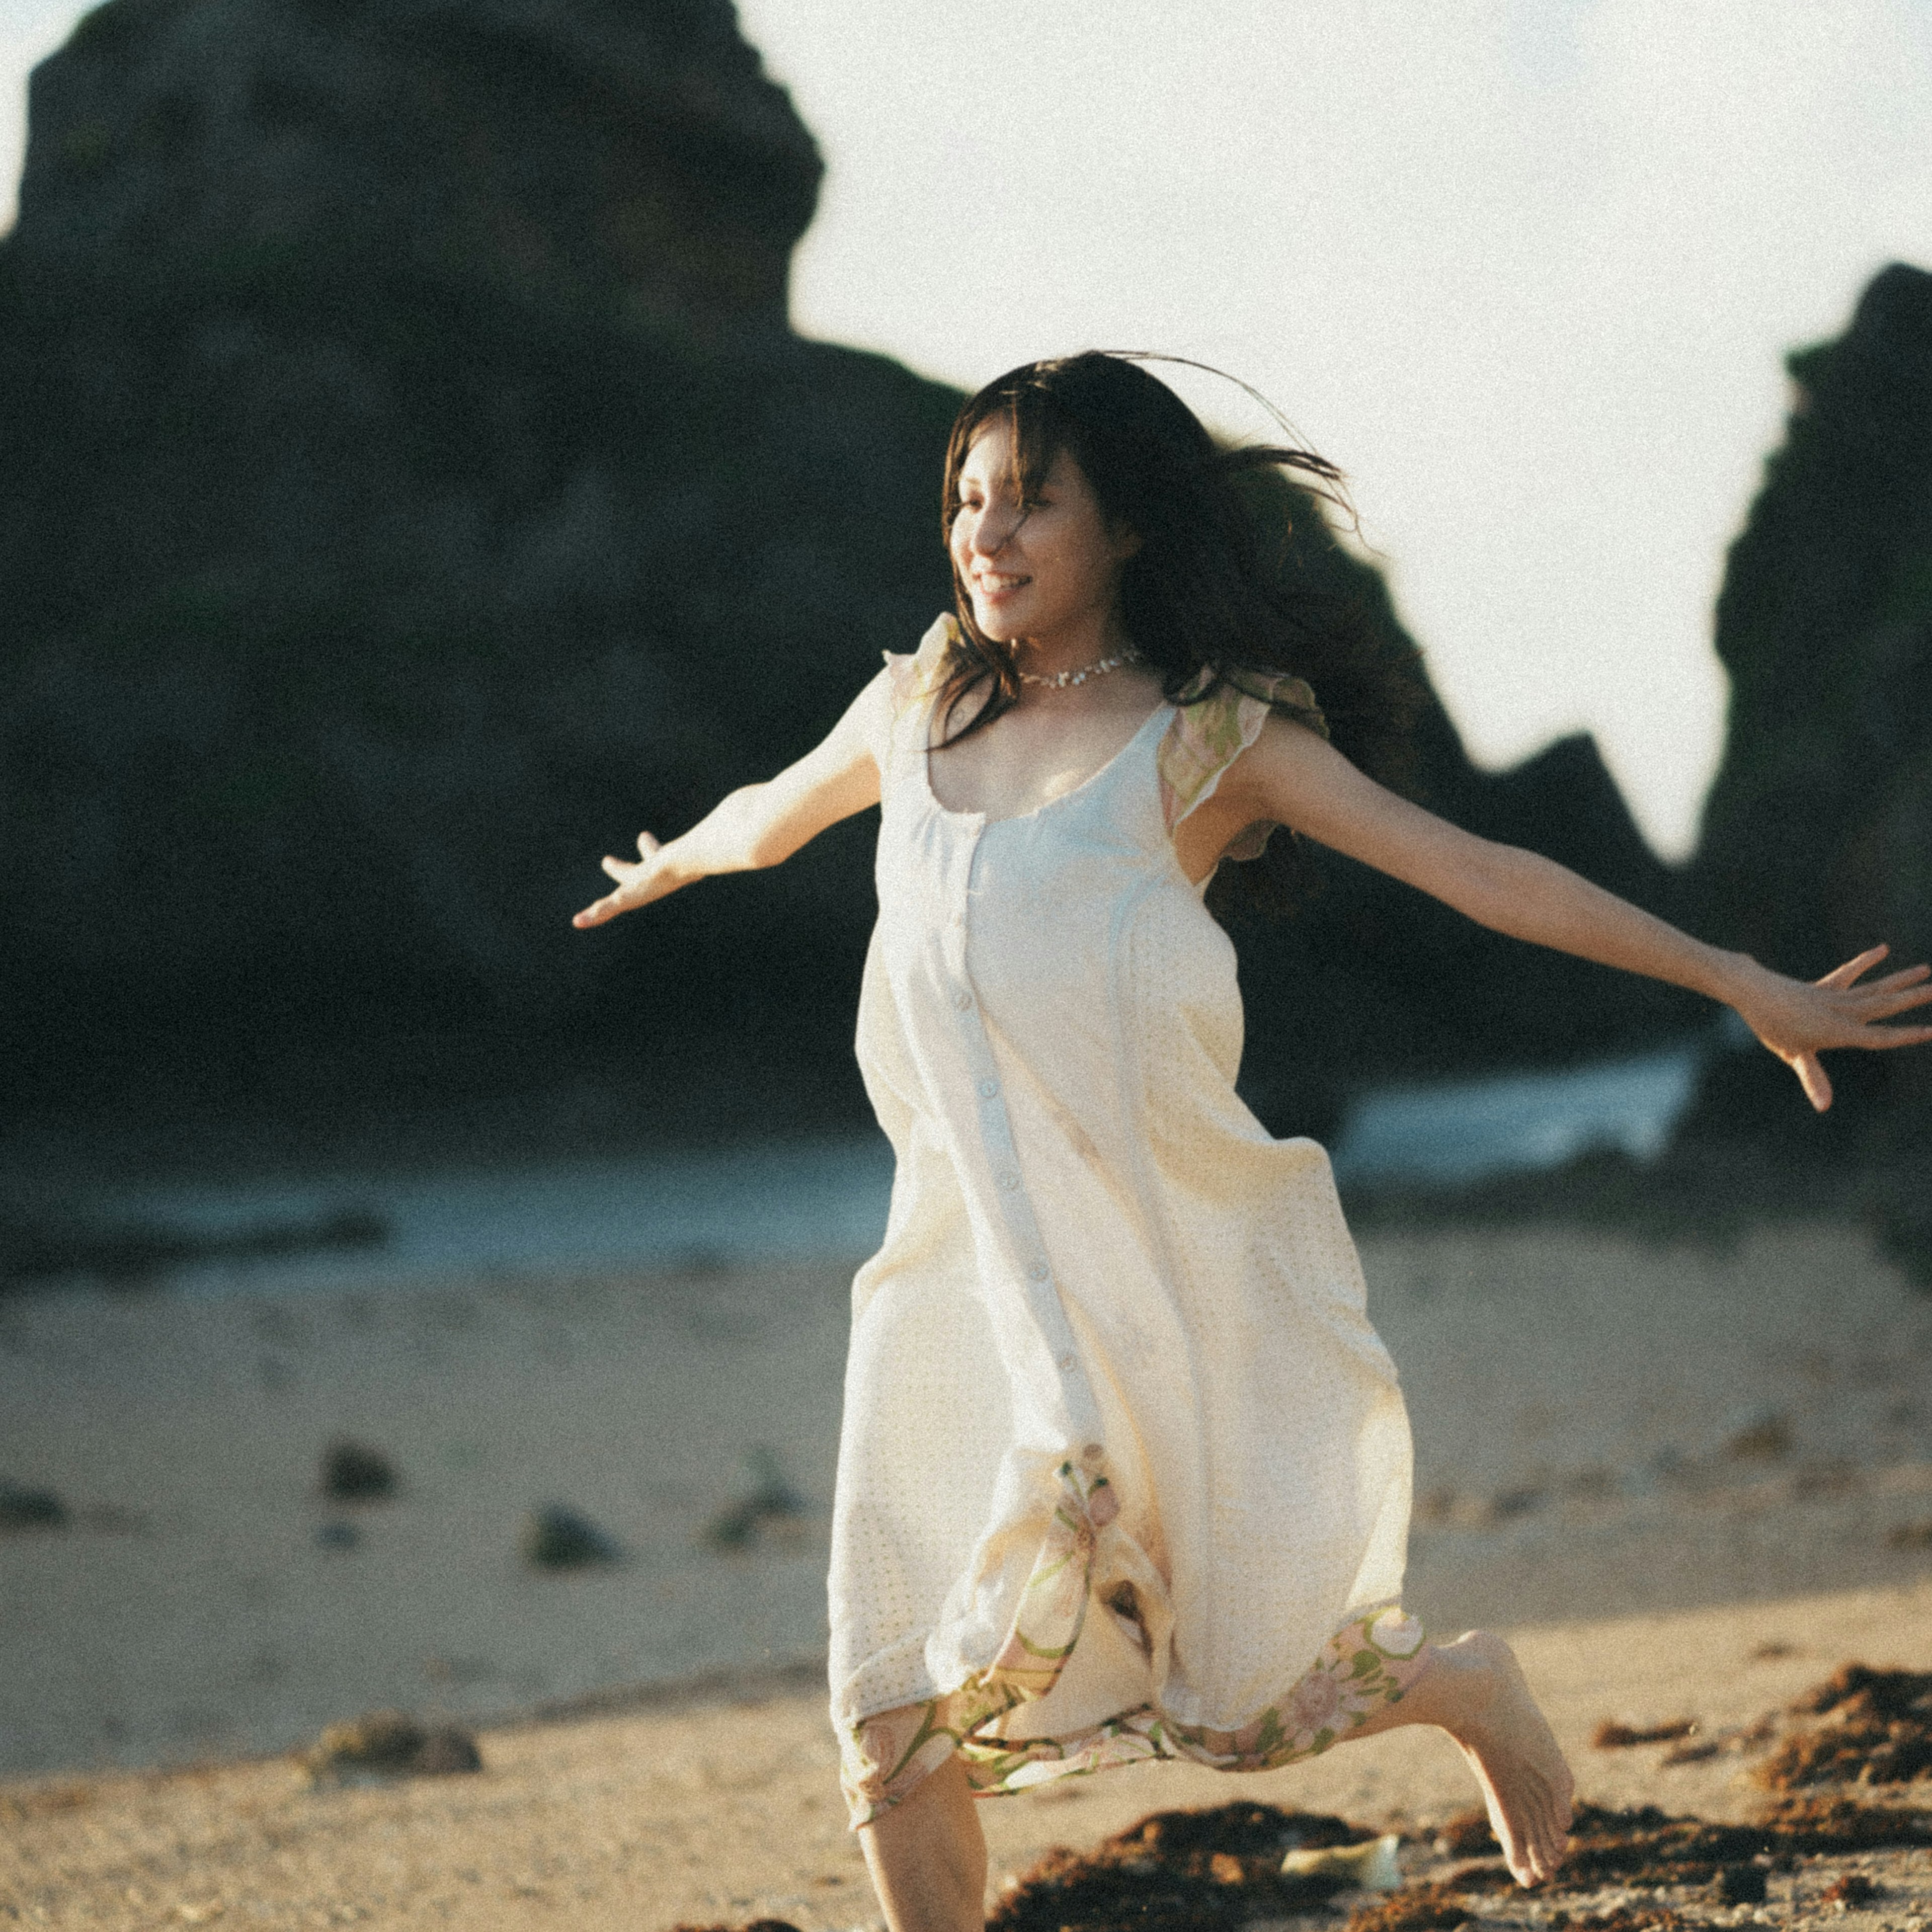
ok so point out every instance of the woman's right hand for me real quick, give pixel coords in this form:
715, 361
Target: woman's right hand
639, 881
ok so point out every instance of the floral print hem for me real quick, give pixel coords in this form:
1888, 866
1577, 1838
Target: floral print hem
1365, 1665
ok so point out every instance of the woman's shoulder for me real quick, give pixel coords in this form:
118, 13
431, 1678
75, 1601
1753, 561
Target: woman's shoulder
1211, 728
912, 676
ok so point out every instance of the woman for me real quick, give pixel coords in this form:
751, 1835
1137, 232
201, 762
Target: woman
1124, 1470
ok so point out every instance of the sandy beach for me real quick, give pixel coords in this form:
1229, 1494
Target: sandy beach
1692, 1480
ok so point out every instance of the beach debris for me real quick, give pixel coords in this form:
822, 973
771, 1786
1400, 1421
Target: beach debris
771, 1500
1366, 1867
1879, 1732
27, 1509
1436, 1905
1698, 1751
1467, 1835
387, 1744
1910, 1535
1220, 1870
1612, 1736
353, 1472
1645, 1845
556, 1538
1208, 1870
337, 1535
1850, 1891
1621, 1918
1740, 1884
756, 1925
1765, 1438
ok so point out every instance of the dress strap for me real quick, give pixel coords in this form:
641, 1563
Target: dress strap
914, 676
1209, 733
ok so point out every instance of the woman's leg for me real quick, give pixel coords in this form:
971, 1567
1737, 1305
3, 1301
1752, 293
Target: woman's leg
927, 1857
1473, 1689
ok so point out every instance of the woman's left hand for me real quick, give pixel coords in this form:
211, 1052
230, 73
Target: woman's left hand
1798, 1021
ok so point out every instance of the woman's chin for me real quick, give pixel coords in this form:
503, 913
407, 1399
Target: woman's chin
997, 624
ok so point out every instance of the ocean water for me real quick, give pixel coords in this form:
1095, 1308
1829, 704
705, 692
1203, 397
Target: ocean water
1455, 1132
724, 1208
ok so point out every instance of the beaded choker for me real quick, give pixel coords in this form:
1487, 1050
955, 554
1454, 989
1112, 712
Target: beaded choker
1060, 679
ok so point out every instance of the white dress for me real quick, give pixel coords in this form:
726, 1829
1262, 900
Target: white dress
1124, 1470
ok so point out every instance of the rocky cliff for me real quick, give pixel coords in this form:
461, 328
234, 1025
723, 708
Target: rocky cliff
1817, 839
627, 161
413, 488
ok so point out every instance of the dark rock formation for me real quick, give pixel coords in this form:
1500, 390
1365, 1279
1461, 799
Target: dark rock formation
629, 160
1817, 839
413, 489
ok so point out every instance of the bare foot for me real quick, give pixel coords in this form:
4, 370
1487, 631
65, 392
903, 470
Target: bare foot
1486, 1707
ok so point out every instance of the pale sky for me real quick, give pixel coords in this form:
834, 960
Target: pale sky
1526, 268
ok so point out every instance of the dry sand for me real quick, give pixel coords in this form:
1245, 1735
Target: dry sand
717, 1808
1652, 1462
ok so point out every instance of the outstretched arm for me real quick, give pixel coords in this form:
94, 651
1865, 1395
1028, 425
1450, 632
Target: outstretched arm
760, 825
1290, 775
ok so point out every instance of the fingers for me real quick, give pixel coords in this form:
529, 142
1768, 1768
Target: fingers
603, 911
1812, 1078
1894, 982
647, 846
1884, 1036
1884, 1005
1843, 976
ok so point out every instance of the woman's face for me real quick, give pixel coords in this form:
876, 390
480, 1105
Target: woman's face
1038, 570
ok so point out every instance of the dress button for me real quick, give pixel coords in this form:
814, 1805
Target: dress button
1070, 1361
1010, 1182
964, 1001
1040, 1271
1093, 1453
987, 1088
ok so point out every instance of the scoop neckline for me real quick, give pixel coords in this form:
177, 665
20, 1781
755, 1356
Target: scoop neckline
1092, 779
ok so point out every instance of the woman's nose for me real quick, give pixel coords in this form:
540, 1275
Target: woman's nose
990, 532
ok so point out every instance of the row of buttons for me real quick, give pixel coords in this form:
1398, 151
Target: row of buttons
1007, 1179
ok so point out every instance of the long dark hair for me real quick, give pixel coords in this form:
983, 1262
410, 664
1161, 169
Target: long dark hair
1226, 587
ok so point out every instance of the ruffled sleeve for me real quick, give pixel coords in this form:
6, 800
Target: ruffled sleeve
914, 676
1208, 735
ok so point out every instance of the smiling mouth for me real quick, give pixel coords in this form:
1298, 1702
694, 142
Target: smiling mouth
993, 584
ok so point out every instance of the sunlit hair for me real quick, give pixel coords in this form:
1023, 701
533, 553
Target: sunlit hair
1218, 592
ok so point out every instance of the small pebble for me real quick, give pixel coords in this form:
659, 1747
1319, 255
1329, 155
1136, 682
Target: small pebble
353, 1472
336, 1536
31, 1509
387, 1743
555, 1537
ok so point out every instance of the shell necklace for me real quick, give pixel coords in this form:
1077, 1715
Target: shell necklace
1099, 668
